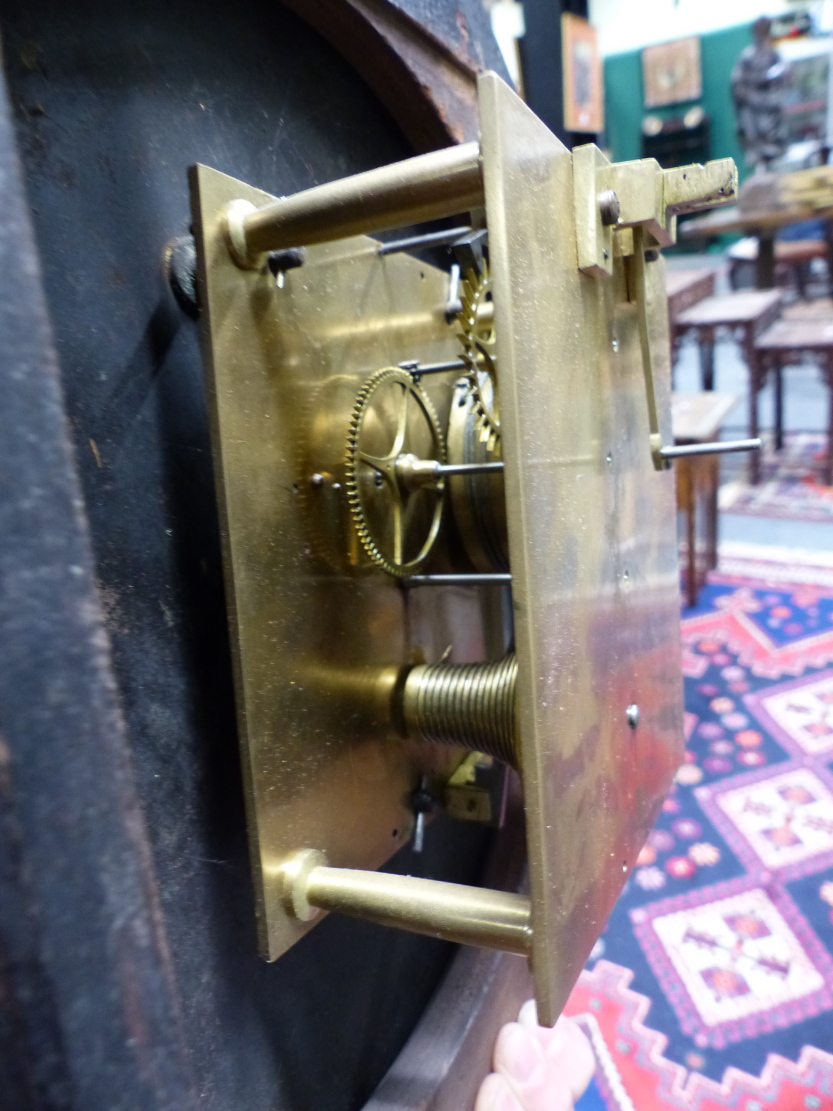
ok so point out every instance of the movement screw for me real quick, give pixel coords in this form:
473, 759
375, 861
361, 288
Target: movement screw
609, 207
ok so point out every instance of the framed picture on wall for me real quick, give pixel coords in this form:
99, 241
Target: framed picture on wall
671, 72
583, 96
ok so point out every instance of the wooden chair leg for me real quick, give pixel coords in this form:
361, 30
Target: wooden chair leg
712, 468
766, 260
828, 238
675, 354
755, 372
691, 531
687, 501
801, 273
707, 363
779, 405
685, 505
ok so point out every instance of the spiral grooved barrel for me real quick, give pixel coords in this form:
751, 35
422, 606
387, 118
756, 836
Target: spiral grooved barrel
471, 705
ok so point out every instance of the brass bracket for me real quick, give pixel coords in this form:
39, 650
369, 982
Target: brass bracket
594, 233
610, 197
644, 198
478, 790
641, 303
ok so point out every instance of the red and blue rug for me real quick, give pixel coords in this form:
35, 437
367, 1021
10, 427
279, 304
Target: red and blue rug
712, 985
791, 486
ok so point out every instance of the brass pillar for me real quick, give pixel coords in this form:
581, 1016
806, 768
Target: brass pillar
452, 911
427, 187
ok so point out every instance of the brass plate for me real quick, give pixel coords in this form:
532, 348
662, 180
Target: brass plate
592, 540
316, 633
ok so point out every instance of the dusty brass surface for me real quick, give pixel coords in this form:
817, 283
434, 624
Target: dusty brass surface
610, 198
467, 799
427, 187
477, 501
641, 304
324, 638
393, 429
453, 911
592, 544
653, 198
594, 230
695, 188
643, 201
478, 790
318, 633
476, 325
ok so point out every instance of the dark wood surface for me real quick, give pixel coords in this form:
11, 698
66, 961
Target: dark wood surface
420, 57
798, 335
698, 479
90, 1015
820, 308
730, 309
450, 1051
685, 288
743, 315
794, 252
763, 225
731, 219
697, 417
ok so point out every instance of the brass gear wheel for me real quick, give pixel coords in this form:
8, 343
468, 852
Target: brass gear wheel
393, 415
478, 339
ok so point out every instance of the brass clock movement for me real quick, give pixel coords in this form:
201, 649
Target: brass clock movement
449, 524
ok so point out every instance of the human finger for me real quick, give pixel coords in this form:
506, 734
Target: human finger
536, 1081
496, 1094
565, 1045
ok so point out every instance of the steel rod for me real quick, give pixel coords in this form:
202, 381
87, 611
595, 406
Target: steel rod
419, 369
415, 473
474, 579
430, 239
717, 447
452, 911
453, 304
469, 468
428, 187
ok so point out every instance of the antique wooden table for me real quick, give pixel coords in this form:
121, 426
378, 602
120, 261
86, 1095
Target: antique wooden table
785, 343
763, 224
685, 288
744, 315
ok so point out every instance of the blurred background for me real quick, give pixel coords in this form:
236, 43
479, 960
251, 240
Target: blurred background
686, 81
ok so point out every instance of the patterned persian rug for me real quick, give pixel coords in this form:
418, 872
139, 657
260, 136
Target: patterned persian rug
790, 485
712, 986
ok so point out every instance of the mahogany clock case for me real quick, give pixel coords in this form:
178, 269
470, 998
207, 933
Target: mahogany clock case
128, 962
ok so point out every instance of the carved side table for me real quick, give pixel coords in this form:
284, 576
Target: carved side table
685, 288
743, 316
786, 343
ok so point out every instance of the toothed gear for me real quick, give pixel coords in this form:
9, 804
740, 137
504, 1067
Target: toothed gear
358, 460
478, 340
